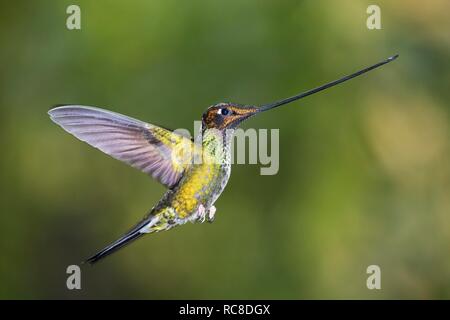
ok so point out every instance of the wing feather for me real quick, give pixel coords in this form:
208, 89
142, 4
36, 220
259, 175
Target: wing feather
144, 146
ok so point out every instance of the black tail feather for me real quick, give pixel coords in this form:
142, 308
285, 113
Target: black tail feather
113, 247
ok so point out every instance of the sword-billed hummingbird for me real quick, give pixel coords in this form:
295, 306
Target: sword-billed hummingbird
193, 186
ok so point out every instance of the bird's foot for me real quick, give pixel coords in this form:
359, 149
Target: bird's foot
211, 214
201, 213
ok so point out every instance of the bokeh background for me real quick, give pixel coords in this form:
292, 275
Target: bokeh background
364, 167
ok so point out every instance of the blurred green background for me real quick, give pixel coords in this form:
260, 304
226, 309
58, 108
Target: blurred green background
364, 167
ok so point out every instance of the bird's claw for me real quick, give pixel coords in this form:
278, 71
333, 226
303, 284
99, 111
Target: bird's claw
201, 213
211, 214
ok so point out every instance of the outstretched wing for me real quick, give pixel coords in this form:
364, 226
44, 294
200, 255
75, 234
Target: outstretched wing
152, 149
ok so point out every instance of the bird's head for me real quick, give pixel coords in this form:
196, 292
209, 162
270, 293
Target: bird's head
224, 116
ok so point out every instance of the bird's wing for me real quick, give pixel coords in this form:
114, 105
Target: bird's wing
156, 151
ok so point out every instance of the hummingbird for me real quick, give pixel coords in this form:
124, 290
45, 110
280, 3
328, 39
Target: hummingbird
195, 171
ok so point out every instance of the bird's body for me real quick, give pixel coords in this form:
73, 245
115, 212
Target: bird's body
204, 182
192, 199
195, 173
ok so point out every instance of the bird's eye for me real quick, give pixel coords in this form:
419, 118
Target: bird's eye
224, 111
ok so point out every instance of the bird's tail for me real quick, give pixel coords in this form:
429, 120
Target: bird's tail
126, 239
113, 247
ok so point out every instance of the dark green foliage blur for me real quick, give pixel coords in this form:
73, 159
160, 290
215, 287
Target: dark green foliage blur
364, 167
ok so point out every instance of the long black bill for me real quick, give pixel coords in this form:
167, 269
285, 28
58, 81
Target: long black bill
326, 86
